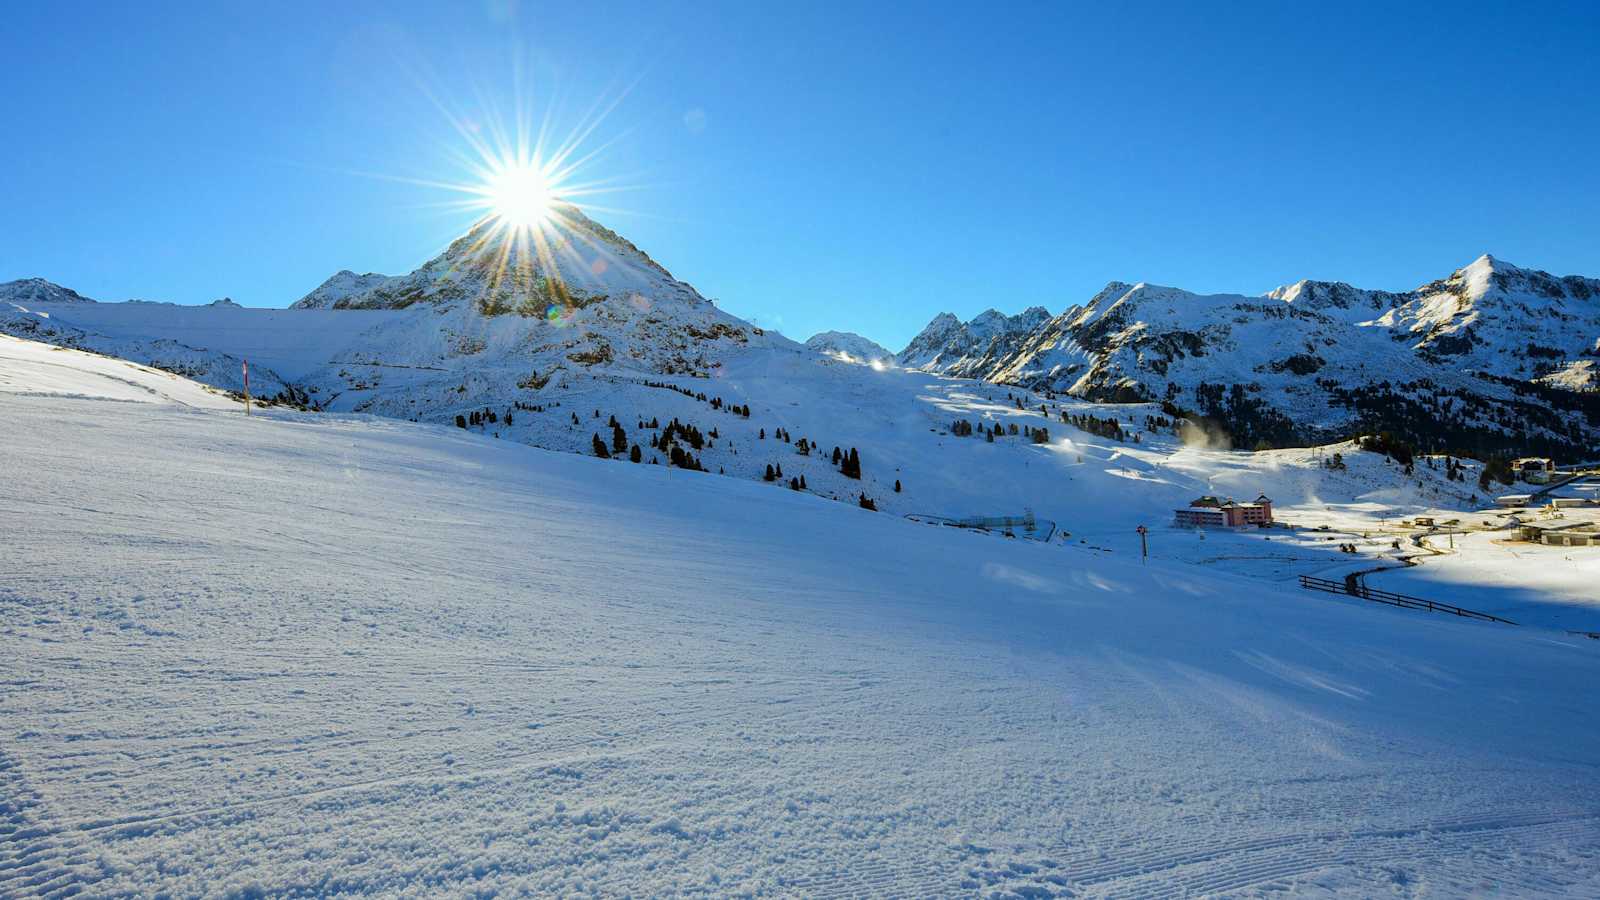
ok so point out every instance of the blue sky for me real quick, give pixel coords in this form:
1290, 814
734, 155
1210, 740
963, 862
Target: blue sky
813, 166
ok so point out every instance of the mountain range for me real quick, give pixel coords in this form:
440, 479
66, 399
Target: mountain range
1493, 358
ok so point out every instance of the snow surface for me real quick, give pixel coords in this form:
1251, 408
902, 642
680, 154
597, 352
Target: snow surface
314, 654
44, 370
1518, 580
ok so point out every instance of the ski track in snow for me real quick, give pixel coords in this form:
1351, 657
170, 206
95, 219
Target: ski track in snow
321, 654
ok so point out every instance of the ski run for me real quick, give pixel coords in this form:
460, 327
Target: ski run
336, 653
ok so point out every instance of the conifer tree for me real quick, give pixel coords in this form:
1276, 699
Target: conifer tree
600, 448
851, 468
897, 485
635, 454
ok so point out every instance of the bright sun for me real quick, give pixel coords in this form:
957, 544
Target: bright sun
520, 195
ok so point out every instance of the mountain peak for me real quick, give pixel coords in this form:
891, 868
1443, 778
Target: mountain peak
567, 261
849, 346
952, 347
39, 290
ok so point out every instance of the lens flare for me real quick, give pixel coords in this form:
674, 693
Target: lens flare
525, 174
520, 195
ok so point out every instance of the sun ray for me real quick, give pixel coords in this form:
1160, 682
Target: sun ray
524, 169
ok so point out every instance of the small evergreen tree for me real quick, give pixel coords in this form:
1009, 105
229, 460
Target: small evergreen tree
851, 467
600, 448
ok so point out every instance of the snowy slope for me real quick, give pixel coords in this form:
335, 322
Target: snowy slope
303, 654
150, 342
1096, 489
44, 370
849, 346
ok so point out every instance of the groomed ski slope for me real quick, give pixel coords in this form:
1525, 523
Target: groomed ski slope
300, 654
43, 370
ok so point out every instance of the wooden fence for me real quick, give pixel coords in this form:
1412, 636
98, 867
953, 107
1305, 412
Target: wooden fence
1312, 583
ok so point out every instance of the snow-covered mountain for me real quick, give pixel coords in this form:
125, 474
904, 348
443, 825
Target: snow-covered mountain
1492, 359
849, 346
569, 260
1487, 358
494, 319
339, 287
969, 349
38, 290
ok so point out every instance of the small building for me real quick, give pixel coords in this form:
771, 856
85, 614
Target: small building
1571, 502
1212, 512
1424, 521
1582, 535
1512, 501
1534, 469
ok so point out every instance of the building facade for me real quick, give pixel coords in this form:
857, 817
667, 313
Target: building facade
1534, 469
1211, 512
